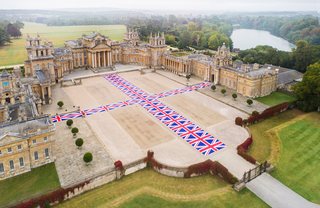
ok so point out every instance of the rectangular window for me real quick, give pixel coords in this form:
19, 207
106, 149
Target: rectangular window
76, 62
138, 60
9, 150
36, 156
21, 162
80, 62
1, 168
135, 60
45, 139
19, 147
34, 141
85, 53
85, 61
118, 57
11, 165
46, 152
80, 54
0, 152
38, 67
114, 57
48, 65
76, 55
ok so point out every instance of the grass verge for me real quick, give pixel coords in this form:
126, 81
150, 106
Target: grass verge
147, 186
38, 180
275, 98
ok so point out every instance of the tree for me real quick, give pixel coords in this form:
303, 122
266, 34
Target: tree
234, 95
223, 91
172, 39
192, 26
79, 142
13, 31
4, 37
188, 77
249, 101
186, 39
308, 90
204, 42
87, 158
213, 87
213, 42
74, 130
69, 123
60, 104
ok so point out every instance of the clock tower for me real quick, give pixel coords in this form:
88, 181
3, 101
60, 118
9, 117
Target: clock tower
10, 89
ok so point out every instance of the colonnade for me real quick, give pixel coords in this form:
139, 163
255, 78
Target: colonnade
101, 59
174, 66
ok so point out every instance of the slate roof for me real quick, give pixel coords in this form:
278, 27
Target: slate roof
289, 76
4, 74
258, 72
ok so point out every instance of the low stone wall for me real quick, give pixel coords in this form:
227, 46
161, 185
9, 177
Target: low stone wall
172, 171
134, 166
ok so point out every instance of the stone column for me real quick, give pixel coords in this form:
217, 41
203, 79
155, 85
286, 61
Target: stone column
92, 60
104, 58
49, 94
99, 62
110, 58
108, 61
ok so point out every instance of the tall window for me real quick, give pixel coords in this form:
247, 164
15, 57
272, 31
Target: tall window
0, 152
11, 165
80, 62
46, 152
48, 66
9, 150
36, 156
80, 54
76, 62
45, 139
85, 61
21, 162
1, 168
38, 66
76, 55
85, 53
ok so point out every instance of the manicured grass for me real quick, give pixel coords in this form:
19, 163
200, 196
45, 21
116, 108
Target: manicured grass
147, 188
263, 139
299, 166
15, 52
291, 142
22, 186
275, 98
179, 54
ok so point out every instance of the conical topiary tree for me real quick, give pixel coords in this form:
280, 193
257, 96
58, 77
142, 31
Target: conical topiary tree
234, 95
74, 130
69, 123
79, 142
87, 158
223, 91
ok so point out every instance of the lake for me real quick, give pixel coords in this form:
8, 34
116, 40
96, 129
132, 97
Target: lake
246, 38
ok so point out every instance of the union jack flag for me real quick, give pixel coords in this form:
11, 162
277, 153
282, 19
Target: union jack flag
67, 116
95, 110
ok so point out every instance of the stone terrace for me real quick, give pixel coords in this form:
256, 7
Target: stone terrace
69, 164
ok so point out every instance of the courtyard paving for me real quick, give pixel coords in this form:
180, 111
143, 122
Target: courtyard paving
69, 162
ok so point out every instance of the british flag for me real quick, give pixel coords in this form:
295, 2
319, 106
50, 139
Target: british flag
95, 110
67, 116
116, 105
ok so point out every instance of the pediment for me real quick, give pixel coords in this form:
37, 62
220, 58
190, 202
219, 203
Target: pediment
101, 46
8, 138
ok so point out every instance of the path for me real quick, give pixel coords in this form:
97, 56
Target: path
276, 194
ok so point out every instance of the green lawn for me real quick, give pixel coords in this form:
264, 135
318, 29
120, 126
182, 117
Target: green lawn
291, 142
299, 166
22, 186
15, 52
179, 54
275, 98
147, 188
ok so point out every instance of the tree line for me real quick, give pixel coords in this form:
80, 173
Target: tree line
8, 30
291, 28
182, 32
301, 57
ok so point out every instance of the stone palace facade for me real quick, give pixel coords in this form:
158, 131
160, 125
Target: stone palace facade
93, 51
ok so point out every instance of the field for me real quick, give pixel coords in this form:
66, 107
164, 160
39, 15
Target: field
147, 188
41, 179
15, 52
290, 141
275, 98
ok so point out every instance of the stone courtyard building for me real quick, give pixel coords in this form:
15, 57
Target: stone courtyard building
47, 64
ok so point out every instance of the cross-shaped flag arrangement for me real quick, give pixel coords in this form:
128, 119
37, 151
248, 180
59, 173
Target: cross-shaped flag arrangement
194, 135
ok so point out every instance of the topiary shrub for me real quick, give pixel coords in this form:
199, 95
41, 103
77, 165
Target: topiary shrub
234, 95
238, 121
79, 142
69, 123
87, 158
74, 130
213, 87
249, 101
188, 77
255, 113
60, 104
223, 91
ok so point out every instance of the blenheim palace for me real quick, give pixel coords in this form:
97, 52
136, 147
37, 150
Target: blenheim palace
27, 136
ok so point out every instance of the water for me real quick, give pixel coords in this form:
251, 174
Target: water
245, 39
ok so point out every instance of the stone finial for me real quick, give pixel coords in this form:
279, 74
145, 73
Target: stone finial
38, 35
93, 31
28, 35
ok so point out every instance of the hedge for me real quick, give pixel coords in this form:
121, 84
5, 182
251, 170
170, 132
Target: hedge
212, 167
242, 150
52, 197
151, 162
